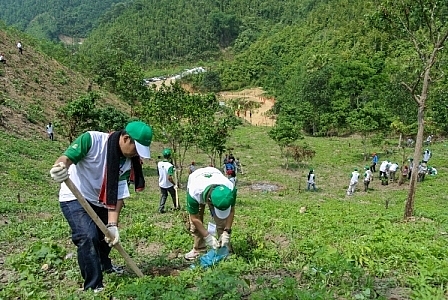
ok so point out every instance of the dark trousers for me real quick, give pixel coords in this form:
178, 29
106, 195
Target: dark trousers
93, 251
366, 185
373, 167
164, 192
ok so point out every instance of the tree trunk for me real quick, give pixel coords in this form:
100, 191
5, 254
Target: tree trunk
409, 210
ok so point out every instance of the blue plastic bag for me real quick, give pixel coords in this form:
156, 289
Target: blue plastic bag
212, 257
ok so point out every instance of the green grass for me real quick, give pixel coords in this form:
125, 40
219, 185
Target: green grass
340, 248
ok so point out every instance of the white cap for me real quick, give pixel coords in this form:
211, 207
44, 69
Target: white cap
222, 214
143, 151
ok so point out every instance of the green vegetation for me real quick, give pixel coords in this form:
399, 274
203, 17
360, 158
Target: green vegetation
341, 247
51, 18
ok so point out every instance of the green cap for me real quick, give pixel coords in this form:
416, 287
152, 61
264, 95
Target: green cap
356, 169
166, 153
222, 198
366, 167
141, 133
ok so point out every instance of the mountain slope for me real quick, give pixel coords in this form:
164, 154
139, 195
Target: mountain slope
33, 87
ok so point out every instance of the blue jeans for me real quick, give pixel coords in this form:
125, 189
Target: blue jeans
93, 251
309, 185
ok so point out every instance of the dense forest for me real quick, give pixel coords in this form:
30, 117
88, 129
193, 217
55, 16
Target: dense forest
50, 18
333, 66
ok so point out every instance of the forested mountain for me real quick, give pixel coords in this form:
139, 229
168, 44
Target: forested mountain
51, 18
164, 31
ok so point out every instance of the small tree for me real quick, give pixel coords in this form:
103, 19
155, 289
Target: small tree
300, 154
285, 134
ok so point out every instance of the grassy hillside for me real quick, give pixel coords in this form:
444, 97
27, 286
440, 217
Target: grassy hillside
33, 87
340, 248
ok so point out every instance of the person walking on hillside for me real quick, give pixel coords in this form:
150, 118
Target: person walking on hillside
374, 162
2, 58
49, 129
311, 180
353, 182
368, 177
99, 165
426, 155
208, 186
165, 170
19, 47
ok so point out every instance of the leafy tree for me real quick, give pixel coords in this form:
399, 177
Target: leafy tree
78, 115
82, 114
178, 117
424, 25
215, 131
285, 132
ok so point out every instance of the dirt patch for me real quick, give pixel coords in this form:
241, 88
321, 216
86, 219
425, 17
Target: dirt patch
265, 187
281, 241
164, 225
259, 117
151, 249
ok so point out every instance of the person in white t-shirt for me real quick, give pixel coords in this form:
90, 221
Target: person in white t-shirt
99, 165
165, 169
426, 155
49, 130
311, 180
19, 47
392, 171
368, 177
353, 182
384, 168
208, 186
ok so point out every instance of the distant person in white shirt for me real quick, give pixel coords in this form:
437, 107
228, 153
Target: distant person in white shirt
383, 169
19, 47
368, 177
2, 58
353, 182
392, 171
426, 156
49, 130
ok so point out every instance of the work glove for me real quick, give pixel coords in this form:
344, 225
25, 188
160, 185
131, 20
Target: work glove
113, 231
225, 239
211, 241
175, 186
59, 172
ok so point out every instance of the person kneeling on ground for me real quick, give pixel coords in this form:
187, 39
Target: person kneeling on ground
208, 186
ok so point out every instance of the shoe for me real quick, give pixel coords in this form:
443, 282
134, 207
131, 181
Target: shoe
115, 269
98, 290
162, 211
192, 255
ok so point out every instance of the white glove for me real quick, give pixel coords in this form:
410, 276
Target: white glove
113, 231
211, 241
225, 239
175, 186
59, 172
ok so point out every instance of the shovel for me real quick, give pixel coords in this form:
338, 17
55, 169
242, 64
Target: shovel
131, 264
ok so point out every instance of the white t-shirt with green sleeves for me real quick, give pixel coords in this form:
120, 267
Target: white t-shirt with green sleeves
88, 154
198, 181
